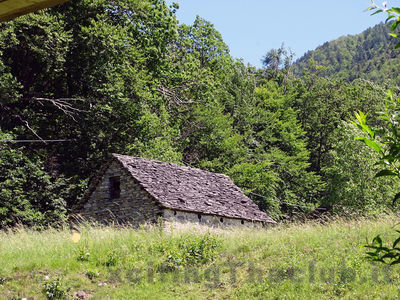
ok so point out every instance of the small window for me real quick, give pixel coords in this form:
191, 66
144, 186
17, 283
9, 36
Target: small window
199, 217
221, 220
174, 212
115, 187
242, 222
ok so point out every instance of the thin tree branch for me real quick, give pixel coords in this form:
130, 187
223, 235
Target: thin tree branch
172, 95
63, 104
27, 126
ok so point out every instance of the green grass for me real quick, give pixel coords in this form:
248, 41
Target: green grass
298, 261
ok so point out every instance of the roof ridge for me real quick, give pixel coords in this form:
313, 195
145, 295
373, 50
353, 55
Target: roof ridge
191, 189
171, 163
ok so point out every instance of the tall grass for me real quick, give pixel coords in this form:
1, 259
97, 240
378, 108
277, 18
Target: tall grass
297, 261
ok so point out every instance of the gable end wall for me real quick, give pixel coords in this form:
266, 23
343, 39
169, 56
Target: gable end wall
134, 206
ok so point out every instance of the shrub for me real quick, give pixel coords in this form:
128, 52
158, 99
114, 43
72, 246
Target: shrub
92, 273
198, 249
352, 185
28, 194
54, 289
189, 250
112, 259
83, 254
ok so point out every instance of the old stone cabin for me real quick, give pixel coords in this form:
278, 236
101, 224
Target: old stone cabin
134, 190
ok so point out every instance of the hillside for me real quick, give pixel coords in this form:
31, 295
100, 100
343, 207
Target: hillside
302, 261
368, 55
76, 87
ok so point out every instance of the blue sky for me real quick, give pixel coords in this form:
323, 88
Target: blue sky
252, 27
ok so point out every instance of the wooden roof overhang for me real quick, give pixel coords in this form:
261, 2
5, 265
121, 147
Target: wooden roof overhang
10, 9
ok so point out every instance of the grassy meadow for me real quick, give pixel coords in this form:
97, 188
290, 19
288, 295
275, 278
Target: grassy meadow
297, 261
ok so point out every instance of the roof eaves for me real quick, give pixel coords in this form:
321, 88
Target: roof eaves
10, 9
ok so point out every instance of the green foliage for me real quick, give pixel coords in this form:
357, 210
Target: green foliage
124, 76
323, 104
155, 136
199, 249
112, 258
88, 77
258, 179
350, 174
214, 142
28, 194
83, 254
54, 289
385, 141
393, 14
190, 250
384, 254
278, 64
369, 55
275, 172
291, 260
92, 274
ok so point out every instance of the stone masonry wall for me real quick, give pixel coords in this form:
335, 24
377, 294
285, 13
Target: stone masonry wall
134, 206
177, 216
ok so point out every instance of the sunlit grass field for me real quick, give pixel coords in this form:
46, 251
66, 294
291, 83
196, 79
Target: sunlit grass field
297, 261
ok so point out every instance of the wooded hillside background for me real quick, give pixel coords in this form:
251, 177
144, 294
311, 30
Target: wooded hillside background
123, 76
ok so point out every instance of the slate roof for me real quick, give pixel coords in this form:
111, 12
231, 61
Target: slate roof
190, 189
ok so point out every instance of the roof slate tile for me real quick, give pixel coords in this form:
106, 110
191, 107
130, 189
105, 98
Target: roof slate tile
191, 189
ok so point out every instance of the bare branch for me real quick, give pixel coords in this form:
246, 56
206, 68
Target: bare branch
172, 96
27, 126
58, 99
33, 141
64, 105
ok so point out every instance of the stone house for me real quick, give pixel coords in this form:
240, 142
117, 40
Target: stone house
134, 190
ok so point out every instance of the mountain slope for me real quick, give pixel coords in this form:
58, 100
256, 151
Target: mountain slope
368, 55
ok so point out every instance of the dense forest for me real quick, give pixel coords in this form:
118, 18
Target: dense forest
369, 55
89, 78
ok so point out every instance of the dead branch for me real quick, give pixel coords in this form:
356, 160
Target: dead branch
64, 105
58, 99
173, 97
191, 128
26, 124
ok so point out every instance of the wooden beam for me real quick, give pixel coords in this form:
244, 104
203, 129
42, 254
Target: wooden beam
10, 9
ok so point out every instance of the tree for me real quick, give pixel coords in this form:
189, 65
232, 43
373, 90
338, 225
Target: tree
350, 176
322, 104
385, 141
277, 64
368, 55
89, 77
28, 194
123, 76
275, 170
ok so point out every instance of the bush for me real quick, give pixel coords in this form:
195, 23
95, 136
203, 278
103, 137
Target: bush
189, 250
83, 254
28, 194
352, 185
112, 259
54, 289
92, 273
198, 249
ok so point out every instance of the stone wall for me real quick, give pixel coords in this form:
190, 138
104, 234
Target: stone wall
183, 217
134, 206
